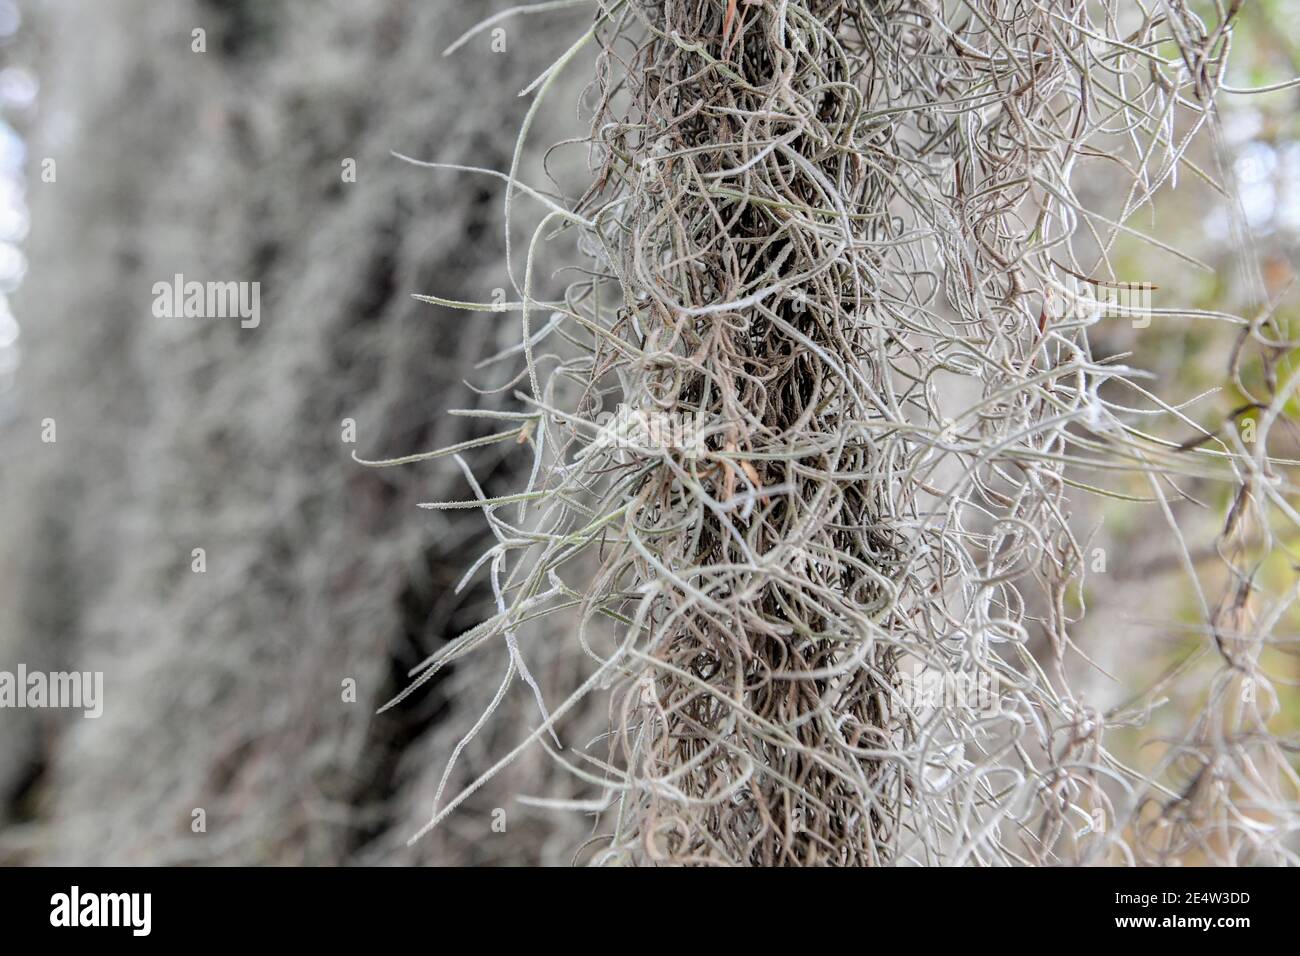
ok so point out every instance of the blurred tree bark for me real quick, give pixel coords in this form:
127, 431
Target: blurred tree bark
224, 689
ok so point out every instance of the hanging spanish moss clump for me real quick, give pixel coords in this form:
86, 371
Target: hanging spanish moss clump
805, 426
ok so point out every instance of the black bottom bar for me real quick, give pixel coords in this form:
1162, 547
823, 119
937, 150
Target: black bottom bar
384, 906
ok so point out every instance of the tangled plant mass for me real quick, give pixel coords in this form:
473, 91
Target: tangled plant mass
844, 238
